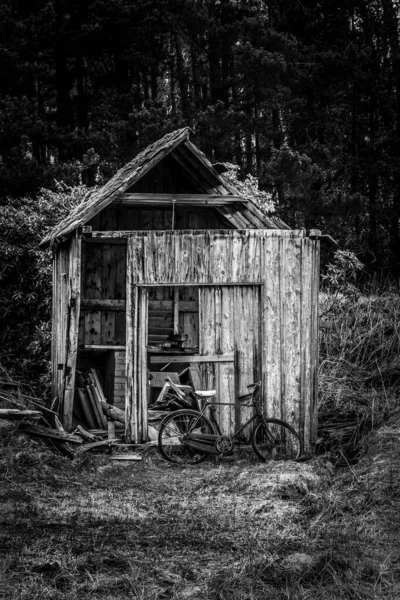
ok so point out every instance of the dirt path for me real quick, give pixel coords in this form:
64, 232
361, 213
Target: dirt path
235, 530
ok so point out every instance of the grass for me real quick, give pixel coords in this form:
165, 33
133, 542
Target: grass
234, 530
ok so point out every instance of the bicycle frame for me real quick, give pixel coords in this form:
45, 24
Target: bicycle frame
206, 442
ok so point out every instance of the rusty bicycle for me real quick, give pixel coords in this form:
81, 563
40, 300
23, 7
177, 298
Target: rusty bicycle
188, 436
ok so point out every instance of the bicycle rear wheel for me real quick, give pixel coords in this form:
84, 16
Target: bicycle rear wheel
273, 439
172, 430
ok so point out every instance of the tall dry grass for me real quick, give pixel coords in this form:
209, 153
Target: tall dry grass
360, 351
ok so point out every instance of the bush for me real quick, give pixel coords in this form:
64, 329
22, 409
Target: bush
25, 279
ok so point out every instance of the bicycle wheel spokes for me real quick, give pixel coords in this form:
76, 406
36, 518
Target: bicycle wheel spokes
172, 434
275, 440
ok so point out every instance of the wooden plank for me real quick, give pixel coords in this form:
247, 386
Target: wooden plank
201, 284
103, 347
271, 328
85, 406
282, 325
93, 290
314, 344
108, 292
167, 305
107, 304
142, 402
176, 310
226, 371
97, 385
96, 407
129, 199
292, 410
191, 358
74, 277
131, 345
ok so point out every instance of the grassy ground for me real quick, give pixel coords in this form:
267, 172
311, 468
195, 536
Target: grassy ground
237, 529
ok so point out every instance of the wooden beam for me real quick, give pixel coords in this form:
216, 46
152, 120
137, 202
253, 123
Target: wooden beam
191, 358
102, 347
146, 199
74, 278
102, 304
176, 310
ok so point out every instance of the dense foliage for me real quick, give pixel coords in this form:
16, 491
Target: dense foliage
303, 95
25, 279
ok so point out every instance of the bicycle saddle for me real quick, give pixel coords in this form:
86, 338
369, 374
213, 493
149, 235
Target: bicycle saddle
206, 393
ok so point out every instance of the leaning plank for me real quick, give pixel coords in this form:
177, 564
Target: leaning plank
85, 406
112, 412
96, 406
52, 433
97, 385
15, 414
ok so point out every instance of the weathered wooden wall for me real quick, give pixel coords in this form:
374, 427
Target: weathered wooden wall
156, 218
277, 342
103, 306
66, 310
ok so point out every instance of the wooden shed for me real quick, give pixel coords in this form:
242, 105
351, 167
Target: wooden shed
169, 247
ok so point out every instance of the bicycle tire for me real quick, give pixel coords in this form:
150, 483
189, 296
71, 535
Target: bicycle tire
173, 427
273, 439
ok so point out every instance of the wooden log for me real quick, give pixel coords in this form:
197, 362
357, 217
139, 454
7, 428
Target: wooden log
85, 406
15, 414
91, 445
86, 434
52, 433
112, 412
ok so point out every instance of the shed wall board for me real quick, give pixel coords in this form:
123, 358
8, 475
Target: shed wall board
282, 348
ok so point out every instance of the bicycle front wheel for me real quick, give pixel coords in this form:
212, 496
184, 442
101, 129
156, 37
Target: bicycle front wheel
273, 439
174, 427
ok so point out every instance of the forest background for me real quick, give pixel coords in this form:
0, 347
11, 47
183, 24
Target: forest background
304, 96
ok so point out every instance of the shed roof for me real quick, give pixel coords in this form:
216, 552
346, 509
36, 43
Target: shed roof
250, 216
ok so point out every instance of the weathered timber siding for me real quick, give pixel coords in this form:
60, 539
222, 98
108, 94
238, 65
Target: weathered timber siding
103, 279
59, 320
277, 272
66, 308
230, 325
157, 219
